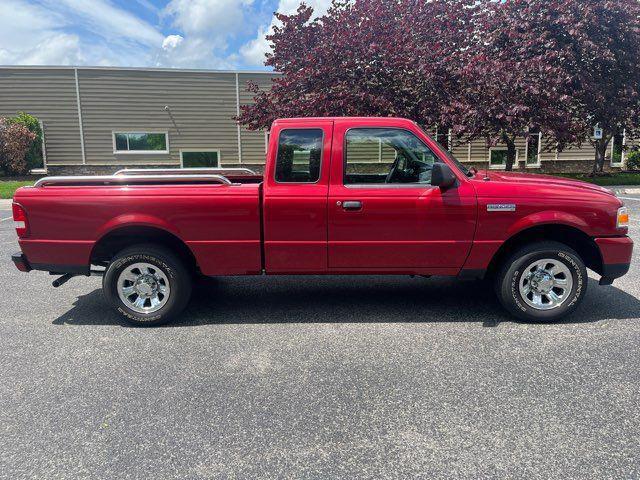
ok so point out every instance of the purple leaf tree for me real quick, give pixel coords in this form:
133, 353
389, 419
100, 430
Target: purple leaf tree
485, 69
375, 58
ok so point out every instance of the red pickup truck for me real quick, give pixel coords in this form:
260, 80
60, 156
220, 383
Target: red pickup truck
338, 196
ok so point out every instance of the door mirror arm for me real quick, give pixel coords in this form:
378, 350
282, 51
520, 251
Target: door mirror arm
442, 176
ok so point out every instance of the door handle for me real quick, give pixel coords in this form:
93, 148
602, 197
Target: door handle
352, 205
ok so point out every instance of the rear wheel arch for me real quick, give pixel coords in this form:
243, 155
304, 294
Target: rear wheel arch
116, 240
568, 235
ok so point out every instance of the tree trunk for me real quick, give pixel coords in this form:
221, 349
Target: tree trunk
511, 153
600, 154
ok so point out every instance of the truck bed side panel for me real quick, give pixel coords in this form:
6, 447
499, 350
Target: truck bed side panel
220, 224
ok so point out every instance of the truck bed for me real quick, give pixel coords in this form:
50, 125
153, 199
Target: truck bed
219, 222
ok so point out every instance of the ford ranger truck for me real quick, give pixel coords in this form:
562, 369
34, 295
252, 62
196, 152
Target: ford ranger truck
339, 196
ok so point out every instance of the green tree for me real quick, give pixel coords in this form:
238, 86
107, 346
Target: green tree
633, 160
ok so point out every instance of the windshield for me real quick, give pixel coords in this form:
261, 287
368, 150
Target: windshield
449, 156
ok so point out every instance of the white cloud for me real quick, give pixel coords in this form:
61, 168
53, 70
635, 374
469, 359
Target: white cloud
66, 32
148, 5
24, 24
195, 52
207, 26
109, 21
31, 35
207, 17
62, 49
253, 52
99, 32
172, 42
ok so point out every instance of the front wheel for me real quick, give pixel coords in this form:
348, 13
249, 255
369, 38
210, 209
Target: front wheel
542, 282
147, 284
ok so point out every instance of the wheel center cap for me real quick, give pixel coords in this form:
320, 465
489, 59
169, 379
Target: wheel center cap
545, 285
146, 286
542, 282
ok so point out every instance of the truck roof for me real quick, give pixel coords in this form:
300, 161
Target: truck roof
315, 119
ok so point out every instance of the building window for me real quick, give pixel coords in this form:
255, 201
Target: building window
199, 158
443, 137
498, 158
532, 150
618, 143
299, 156
140, 142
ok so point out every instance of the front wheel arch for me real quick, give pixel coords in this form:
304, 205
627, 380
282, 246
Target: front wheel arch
572, 237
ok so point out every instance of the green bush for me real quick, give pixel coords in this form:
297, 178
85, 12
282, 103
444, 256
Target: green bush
15, 141
34, 156
633, 160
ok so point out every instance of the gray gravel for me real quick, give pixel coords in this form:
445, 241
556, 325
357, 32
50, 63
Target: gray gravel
317, 377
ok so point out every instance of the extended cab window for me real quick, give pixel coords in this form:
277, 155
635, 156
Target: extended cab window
299, 155
386, 155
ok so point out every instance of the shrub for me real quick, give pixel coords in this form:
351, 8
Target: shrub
34, 157
633, 160
15, 142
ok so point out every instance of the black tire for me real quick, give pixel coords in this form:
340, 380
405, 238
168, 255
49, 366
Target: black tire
173, 269
507, 281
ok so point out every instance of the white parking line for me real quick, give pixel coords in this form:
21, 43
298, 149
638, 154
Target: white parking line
4, 219
629, 198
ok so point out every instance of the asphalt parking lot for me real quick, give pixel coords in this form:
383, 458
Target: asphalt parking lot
317, 377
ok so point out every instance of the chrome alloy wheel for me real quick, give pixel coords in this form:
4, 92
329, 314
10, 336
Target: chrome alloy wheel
143, 287
546, 284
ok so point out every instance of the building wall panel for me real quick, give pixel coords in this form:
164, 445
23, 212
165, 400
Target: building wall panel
50, 95
253, 142
200, 116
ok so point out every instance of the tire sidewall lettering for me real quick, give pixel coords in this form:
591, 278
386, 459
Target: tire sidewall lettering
577, 274
144, 258
514, 290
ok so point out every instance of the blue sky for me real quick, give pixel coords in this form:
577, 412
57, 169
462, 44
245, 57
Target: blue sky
215, 34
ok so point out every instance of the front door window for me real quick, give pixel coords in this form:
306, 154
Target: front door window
386, 156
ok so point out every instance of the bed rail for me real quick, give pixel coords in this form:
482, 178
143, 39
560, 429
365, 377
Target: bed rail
184, 171
159, 179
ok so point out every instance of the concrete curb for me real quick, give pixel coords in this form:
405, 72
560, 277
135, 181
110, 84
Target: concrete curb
5, 203
630, 190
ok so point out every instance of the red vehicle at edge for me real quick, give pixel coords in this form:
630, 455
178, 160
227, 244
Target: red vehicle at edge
324, 207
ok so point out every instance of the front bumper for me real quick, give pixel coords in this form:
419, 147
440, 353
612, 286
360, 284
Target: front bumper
612, 271
616, 257
21, 262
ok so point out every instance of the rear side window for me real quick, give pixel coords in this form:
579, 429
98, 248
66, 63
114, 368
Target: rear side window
299, 156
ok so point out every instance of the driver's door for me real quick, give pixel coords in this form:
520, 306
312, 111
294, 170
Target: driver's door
383, 213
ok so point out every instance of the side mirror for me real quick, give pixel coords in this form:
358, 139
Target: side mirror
442, 176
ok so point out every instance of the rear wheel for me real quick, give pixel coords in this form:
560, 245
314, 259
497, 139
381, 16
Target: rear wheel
542, 282
147, 284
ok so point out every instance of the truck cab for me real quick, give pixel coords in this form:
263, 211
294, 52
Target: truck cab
363, 200
338, 196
